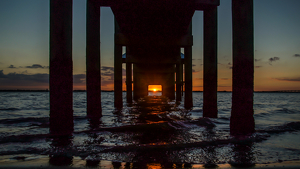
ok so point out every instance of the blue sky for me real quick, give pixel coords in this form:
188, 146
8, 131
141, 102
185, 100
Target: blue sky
24, 45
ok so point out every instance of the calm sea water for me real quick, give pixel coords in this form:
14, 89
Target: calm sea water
160, 133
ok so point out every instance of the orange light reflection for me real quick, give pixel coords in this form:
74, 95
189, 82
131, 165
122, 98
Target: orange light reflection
154, 166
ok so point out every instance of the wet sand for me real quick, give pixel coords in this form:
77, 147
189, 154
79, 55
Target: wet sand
43, 162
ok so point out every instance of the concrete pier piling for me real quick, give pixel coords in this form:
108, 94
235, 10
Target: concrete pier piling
188, 97
93, 74
118, 71
128, 76
61, 68
188, 71
242, 121
210, 63
178, 80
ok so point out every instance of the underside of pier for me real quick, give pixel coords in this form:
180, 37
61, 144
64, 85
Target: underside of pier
153, 32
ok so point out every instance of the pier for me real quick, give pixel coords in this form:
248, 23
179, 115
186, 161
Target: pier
153, 32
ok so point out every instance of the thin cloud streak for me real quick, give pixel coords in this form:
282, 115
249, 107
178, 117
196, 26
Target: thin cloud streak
296, 55
297, 79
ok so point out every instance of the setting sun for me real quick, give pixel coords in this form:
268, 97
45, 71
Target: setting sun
154, 88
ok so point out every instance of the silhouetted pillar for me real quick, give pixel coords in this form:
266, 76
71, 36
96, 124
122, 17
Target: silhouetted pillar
60, 159
128, 77
61, 68
242, 121
188, 70
182, 83
210, 73
135, 83
144, 89
93, 75
118, 71
178, 81
172, 84
168, 88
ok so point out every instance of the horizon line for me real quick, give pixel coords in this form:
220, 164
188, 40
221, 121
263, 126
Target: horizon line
47, 90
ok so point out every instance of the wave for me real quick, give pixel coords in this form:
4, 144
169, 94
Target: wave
9, 109
287, 127
25, 120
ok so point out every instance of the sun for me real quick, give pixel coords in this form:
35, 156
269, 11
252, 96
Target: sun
154, 90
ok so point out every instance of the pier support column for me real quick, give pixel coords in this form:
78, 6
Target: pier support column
172, 83
135, 83
118, 71
178, 81
188, 70
128, 77
242, 121
168, 88
210, 73
93, 76
61, 68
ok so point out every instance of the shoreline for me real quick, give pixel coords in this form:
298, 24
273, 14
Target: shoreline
43, 162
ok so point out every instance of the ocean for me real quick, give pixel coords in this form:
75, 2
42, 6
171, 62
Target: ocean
153, 133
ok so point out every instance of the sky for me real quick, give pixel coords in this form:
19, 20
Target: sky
24, 45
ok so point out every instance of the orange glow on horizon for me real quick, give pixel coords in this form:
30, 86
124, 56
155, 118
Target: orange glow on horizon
154, 88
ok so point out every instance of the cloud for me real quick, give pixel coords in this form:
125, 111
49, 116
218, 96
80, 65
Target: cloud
223, 86
297, 79
107, 68
257, 60
273, 59
36, 66
12, 67
107, 75
24, 80
194, 71
79, 79
2, 74
23, 77
296, 55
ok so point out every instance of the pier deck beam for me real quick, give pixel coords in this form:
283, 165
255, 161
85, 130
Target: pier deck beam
93, 75
242, 121
61, 68
118, 102
210, 64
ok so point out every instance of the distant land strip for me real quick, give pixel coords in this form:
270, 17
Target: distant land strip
46, 90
